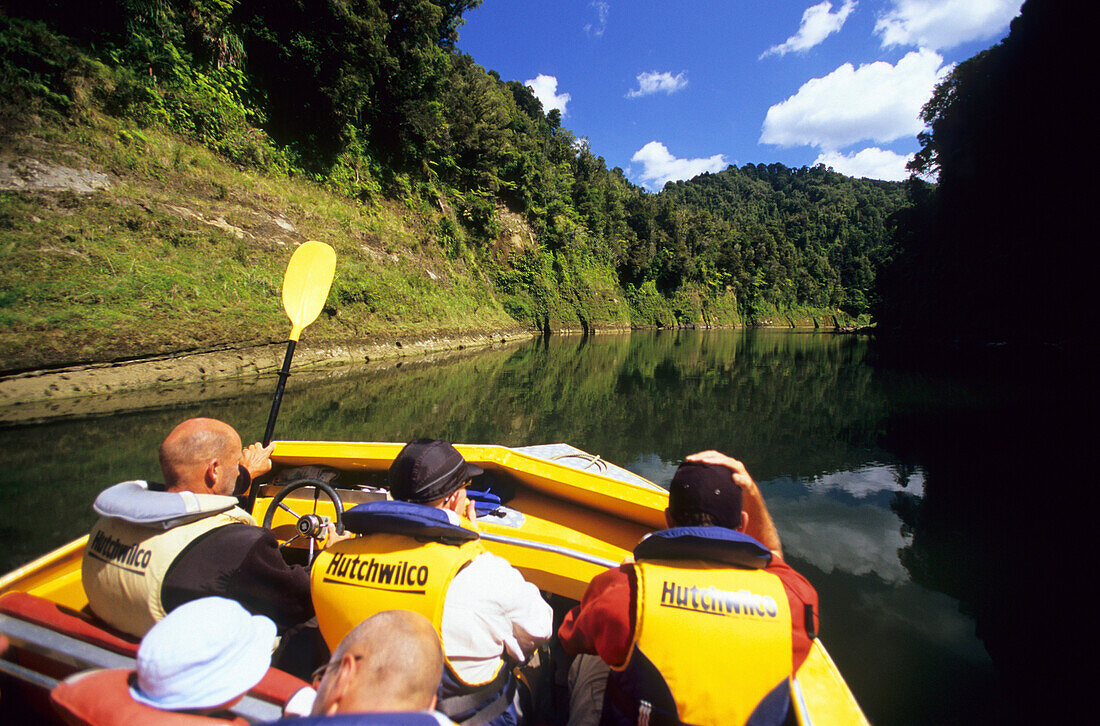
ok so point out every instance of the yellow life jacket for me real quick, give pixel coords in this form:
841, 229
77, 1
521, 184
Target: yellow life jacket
124, 563
711, 644
357, 578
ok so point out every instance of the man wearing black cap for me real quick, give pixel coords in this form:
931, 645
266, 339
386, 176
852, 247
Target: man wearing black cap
491, 614
432, 472
726, 620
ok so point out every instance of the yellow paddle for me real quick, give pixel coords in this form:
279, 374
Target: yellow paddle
305, 287
306, 284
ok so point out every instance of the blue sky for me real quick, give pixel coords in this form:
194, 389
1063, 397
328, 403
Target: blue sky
667, 90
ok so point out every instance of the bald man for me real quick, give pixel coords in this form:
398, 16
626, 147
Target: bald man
156, 547
204, 456
391, 662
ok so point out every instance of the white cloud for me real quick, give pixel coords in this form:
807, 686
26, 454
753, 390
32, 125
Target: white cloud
877, 101
940, 24
660, 167
818, 23
873, 163
545, 89
654, 82
602, 10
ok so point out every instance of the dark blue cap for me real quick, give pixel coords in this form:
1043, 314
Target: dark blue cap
707, 489
427, 470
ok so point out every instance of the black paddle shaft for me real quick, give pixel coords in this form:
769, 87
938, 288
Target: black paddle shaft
283, 375
270, 432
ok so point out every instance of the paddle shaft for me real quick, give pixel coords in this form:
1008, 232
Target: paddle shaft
284, 373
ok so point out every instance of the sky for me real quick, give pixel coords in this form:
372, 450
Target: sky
666, 90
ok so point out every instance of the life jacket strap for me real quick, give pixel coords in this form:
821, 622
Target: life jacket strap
642, 712
504, 684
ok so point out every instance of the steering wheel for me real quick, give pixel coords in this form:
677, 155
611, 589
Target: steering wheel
310, 525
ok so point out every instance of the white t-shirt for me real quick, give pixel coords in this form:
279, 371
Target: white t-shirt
491, 609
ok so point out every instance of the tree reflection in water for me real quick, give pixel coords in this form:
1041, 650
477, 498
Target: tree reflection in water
898, 493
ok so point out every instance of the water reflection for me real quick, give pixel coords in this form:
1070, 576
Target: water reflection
833, 531
814, 421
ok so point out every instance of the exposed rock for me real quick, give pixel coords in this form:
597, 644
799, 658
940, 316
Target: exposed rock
35, 175
218, 222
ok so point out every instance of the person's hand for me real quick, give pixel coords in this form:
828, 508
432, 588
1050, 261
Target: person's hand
741, 476
332, 538
257, 459
471, 510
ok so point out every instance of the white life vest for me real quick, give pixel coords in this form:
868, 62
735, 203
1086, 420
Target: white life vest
135, 542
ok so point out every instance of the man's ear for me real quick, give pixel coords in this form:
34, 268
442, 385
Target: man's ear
342, 681
451, 502
210, 476
668, 519
744, 521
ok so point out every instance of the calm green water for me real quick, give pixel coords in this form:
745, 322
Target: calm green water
854, 461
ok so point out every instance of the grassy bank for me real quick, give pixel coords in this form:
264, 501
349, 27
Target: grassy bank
141, 217
185, 251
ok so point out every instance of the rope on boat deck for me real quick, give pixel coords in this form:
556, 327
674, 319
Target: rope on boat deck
601, 465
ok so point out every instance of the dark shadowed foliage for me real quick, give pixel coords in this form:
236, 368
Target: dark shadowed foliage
996, 252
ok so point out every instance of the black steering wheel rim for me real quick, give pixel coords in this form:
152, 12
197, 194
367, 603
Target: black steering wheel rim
297, 484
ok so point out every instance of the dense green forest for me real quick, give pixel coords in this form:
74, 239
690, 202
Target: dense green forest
371, 101
994, 253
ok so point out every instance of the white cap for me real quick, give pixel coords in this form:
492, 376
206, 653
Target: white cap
202, 654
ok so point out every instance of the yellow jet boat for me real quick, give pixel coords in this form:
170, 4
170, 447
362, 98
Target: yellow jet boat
566, 516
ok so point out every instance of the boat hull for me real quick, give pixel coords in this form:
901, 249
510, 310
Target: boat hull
563, 522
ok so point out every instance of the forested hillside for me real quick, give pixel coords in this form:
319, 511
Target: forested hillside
370, 102
777, 235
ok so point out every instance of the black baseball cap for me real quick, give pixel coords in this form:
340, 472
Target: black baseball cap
427, 470
702, 488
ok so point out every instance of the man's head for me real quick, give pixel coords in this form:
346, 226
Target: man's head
429, 471
201, 455
392, 661
704, 495
205, 654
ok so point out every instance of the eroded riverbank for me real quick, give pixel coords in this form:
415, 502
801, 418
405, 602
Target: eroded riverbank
168, 380
171, 379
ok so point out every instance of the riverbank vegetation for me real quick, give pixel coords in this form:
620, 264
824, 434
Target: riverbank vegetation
221, 133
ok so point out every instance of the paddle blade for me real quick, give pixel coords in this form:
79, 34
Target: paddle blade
306, 284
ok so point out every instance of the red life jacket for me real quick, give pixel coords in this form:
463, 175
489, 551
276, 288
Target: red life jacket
102, 698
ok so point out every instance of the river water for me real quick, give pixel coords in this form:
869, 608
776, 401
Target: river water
874, 476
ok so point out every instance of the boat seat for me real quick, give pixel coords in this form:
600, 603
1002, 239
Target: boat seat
48, 614
102, 698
